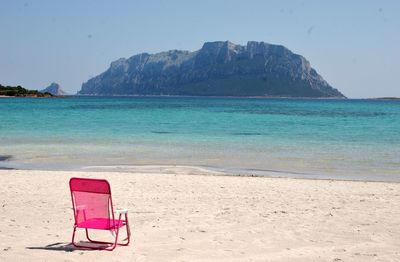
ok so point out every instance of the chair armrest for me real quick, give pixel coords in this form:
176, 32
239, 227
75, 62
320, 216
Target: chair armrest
121, 211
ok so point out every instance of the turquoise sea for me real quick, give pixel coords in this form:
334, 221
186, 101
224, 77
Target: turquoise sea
340, 139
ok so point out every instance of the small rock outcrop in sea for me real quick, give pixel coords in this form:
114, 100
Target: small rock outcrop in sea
54, 89
217, 69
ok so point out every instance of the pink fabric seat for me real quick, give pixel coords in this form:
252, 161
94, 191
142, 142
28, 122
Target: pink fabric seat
101, 223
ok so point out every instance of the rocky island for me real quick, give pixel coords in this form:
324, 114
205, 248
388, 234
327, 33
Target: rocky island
54, 89
217, 69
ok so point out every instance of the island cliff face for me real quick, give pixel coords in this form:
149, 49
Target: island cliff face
217, 69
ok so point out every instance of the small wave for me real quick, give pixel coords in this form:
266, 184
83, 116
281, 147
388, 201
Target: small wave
162, 132
126, 106
306, 113
246, 134
5, 157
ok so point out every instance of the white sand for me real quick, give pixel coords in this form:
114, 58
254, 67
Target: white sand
206, 218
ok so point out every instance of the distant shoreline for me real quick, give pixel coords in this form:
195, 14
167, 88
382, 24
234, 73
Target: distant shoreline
19, 91
235, 97
386, 98
253, 97
192, 96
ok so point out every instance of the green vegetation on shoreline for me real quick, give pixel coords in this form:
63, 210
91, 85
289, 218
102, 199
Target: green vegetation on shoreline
19, 91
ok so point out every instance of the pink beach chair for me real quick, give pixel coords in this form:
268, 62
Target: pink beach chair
93, 209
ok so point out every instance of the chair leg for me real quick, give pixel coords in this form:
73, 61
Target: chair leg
88, 238
73, 236
128, 233
116, 241
80, 246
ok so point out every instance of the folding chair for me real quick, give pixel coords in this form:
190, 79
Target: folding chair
93, 209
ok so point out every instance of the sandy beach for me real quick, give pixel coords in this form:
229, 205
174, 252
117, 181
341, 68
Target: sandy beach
178, 216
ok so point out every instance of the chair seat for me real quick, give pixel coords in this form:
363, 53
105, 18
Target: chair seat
101, 223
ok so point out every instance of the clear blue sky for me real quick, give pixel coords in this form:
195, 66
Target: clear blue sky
354, 45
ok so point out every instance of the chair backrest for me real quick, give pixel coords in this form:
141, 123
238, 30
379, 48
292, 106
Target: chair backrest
91, 198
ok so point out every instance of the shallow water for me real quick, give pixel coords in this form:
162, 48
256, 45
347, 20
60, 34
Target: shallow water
346, 139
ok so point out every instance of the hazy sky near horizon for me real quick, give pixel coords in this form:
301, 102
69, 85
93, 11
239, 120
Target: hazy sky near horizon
354, 45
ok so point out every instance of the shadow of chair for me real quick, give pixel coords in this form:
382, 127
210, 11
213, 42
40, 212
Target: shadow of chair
68, 247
